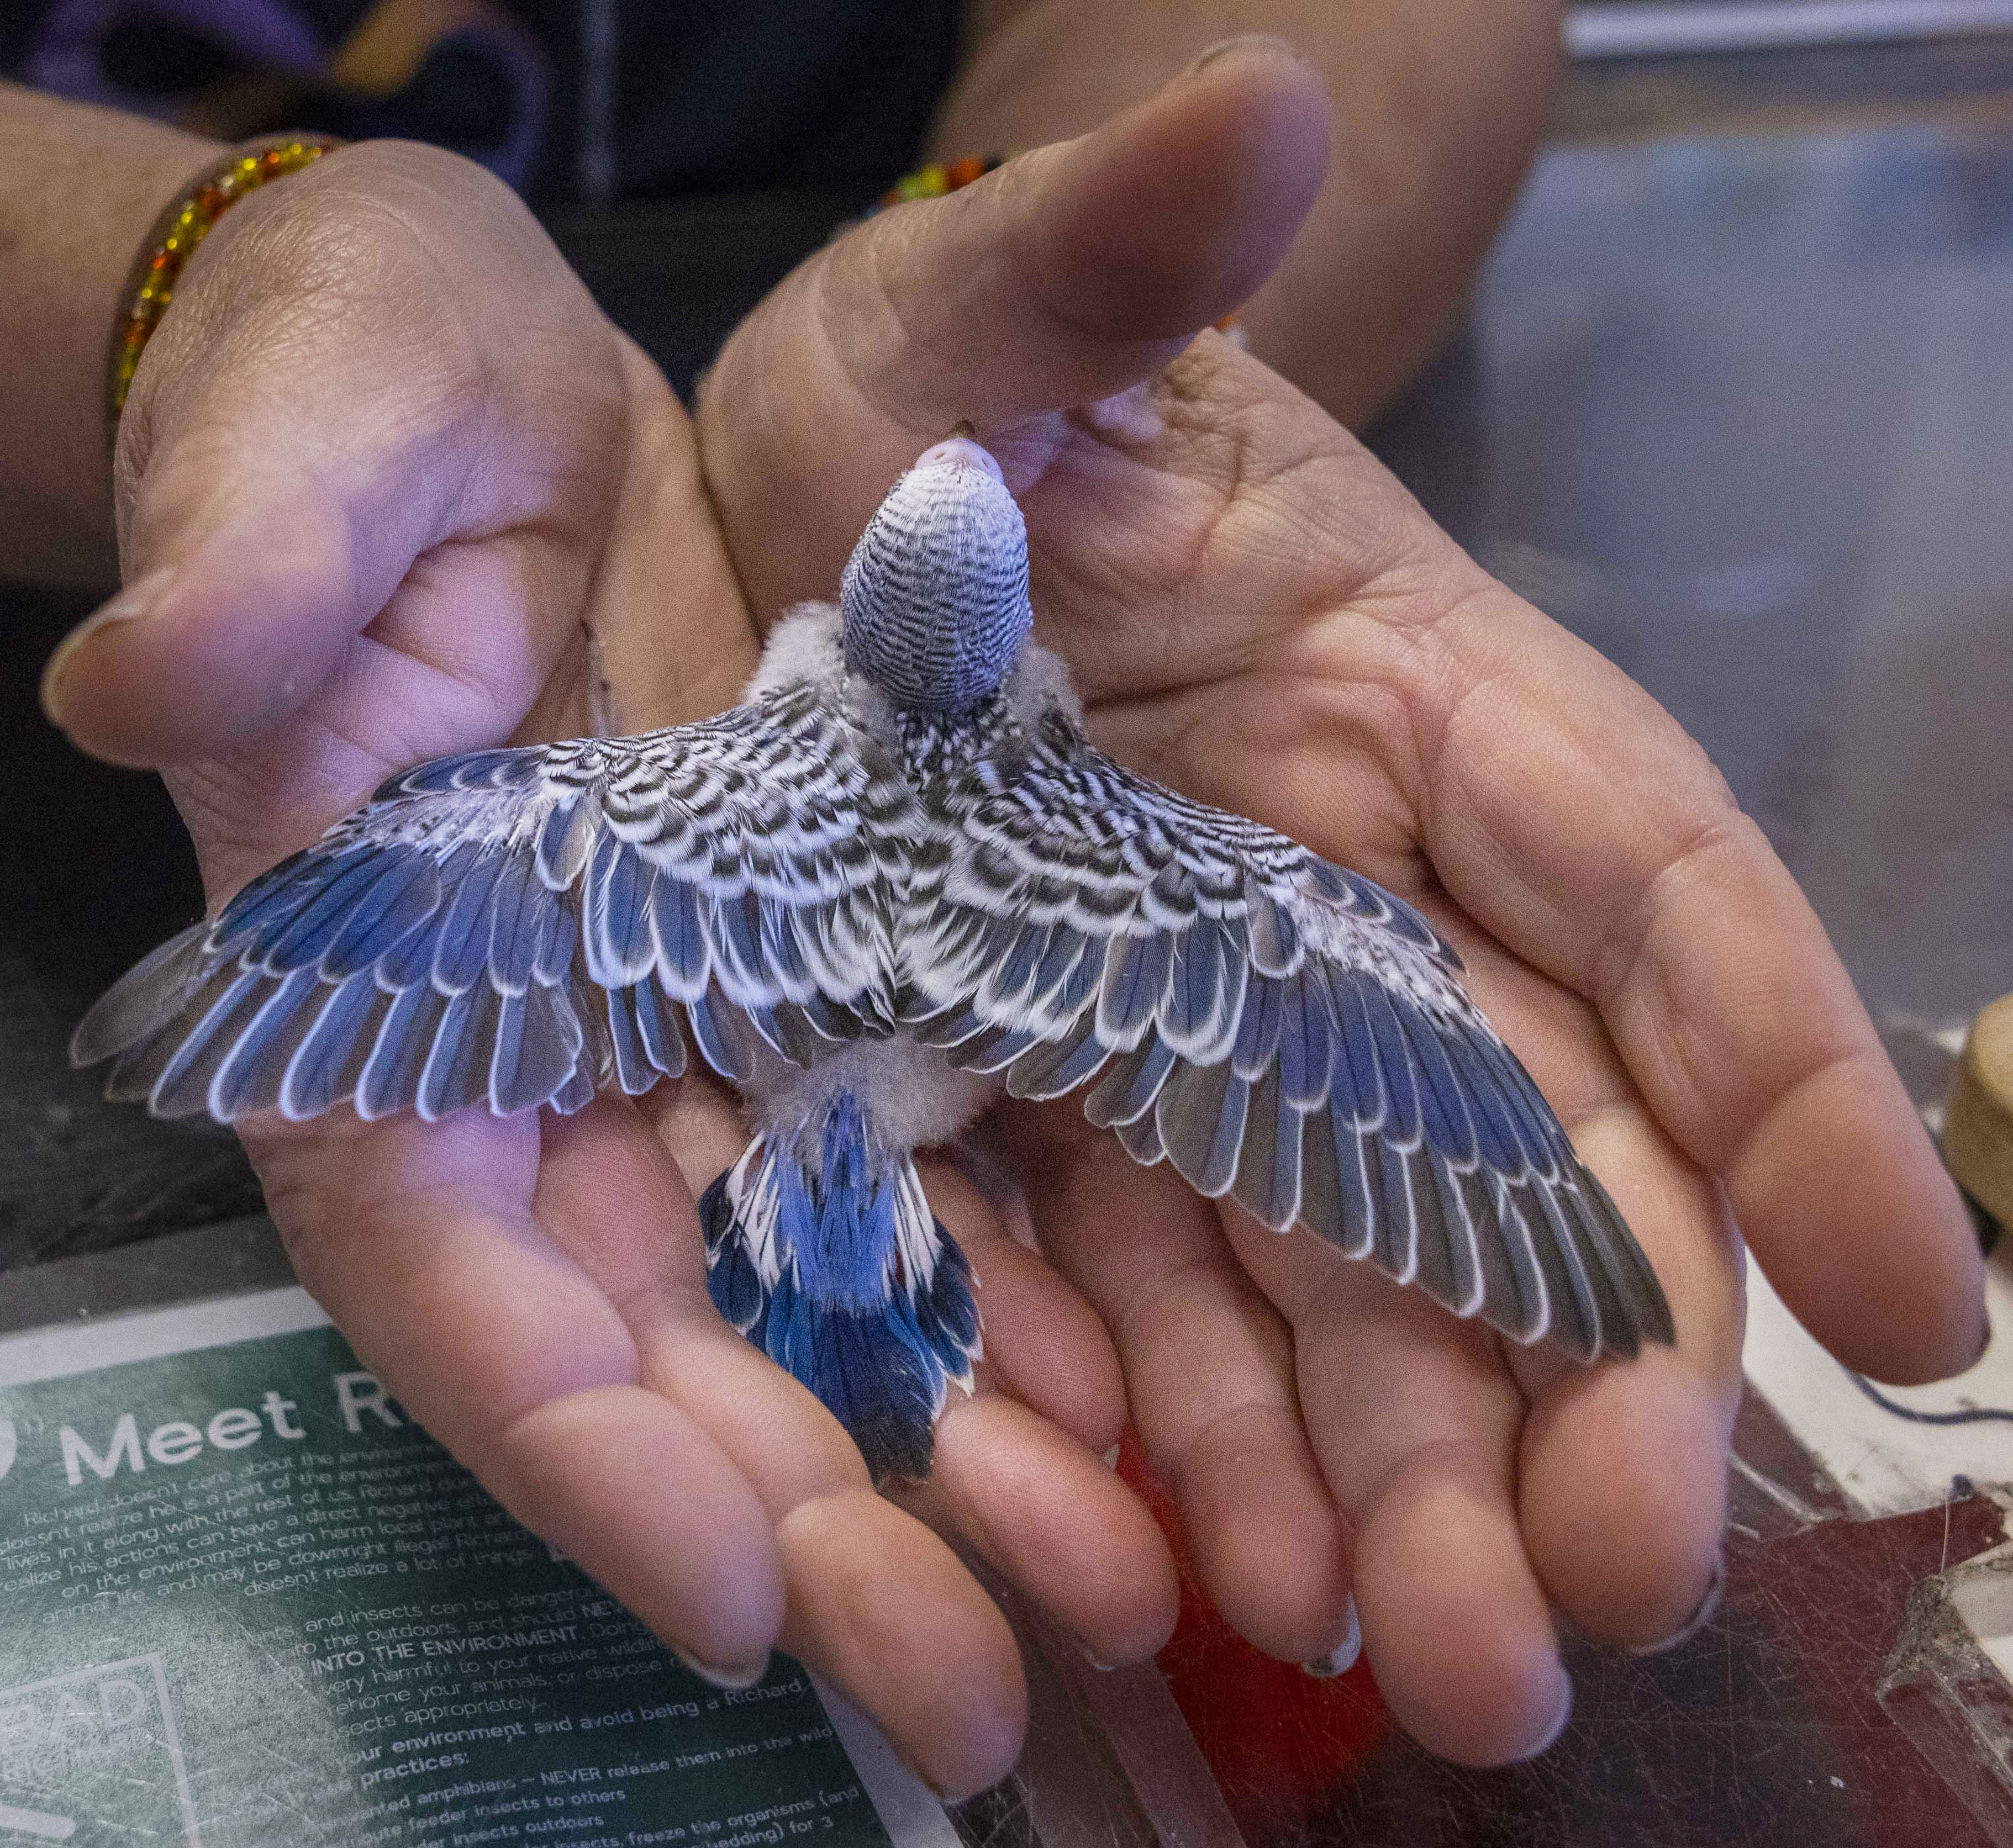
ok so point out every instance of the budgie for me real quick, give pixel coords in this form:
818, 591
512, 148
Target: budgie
894, 880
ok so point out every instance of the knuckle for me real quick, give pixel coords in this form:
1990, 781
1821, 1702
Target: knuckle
303, 299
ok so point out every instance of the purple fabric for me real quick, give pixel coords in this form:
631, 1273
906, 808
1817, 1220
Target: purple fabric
766, 93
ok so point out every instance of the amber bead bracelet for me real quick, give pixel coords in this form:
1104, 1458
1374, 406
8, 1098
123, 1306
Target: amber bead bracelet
179, 230
933, 181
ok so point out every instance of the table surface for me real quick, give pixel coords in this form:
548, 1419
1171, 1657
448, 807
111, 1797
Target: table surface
1736, 404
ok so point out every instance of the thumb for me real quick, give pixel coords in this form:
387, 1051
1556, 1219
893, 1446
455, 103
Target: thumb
1064, 277
326, 400
275, 509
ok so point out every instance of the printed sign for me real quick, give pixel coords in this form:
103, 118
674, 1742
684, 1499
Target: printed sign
245, 1601
95, 1741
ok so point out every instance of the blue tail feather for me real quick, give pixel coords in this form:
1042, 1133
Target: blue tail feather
843, 1276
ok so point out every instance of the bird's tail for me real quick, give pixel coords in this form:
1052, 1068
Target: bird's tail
822, 1249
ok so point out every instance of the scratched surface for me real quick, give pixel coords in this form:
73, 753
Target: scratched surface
1762, 1732
1766, 1730
96, 871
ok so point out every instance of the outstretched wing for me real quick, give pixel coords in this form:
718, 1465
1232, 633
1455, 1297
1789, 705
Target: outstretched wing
1281, 1029
513, 928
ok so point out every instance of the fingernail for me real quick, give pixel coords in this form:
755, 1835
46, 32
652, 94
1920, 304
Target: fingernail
135, 600
730, 1680
1558, 1726
916, 1771
1102, 1667
1697, 1621
1265, 42
1342, 1658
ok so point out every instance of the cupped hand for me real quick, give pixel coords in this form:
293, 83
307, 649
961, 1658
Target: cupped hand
1257, 614
390, 486
385, 472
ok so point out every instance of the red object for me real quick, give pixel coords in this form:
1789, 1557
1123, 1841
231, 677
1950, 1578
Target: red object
1279, 1740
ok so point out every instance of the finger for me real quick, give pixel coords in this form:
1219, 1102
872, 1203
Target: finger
875, 1600
1065, 276
1415, 1423
1636, 1454
1209, 1367
881, 1607
1572, 817
1044, 1343
1622, 1468
314, 412
1020, 1477
420, 1241
1048, 1515
1637, 881
669, 624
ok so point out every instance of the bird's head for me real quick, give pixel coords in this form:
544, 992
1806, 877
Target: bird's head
935, 597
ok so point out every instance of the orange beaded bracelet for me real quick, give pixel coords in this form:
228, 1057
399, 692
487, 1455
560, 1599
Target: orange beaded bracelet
933, 181
173, 242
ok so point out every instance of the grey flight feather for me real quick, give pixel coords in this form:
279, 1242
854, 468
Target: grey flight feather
519, 928
1281, 1030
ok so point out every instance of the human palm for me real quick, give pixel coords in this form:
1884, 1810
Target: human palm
1255, 613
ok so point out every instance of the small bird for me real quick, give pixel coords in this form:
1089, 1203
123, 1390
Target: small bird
894, 880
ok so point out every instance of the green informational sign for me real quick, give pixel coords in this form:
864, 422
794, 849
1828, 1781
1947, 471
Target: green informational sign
245, 1600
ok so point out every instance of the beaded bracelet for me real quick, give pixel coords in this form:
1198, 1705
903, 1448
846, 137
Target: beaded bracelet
172, 241
932, 181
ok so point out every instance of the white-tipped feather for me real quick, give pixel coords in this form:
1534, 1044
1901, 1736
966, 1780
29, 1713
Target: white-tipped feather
668, 865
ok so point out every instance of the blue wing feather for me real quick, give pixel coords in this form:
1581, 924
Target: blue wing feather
1491, 1114
406, 895
461, 939
518, 904
1128, 1092
458, 942
313, 930
1444, 1115
330, 1061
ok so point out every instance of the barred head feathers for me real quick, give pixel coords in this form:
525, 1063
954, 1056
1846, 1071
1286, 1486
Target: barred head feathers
935, 597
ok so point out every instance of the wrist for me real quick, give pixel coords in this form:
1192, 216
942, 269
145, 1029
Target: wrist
180, 232
378, 248
323, 232
83, 185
